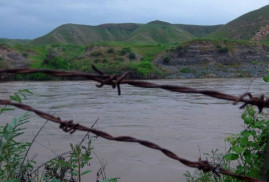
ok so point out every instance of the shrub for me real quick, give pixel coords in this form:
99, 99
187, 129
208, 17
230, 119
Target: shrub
125, 50
222, 49
247, 150
145, 64
110, 50
96, 53
25, 54
179, 48
59, 63
105, 60
166, 60
132, 55
186, 70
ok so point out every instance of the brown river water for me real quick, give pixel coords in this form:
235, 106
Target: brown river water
187, 124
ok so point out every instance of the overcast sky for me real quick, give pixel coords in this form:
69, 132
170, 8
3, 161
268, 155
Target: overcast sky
28, 19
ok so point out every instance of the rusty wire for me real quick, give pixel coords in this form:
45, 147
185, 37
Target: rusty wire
69, 126
115, 81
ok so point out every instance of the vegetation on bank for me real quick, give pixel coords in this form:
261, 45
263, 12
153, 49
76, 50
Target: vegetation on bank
111, 57
118, 57
246, 152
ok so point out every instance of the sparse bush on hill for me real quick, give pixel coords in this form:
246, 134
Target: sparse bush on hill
186, 70
96, 53
222, 49
166, 59
125, 50
105, 60
132, 55
110, 50
179, 48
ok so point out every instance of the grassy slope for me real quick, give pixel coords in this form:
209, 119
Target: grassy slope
84, 34
199, 30
13, 41
245, 26
152, 33
160, 32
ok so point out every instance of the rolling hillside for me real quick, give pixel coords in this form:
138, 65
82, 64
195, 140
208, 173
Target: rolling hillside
85, 34
160, 32
152, 32
199, 31
248, 26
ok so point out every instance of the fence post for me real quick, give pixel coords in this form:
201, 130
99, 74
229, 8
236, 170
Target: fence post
265, 170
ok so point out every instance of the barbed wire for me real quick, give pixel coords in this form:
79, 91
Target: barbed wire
115, 81
71, 127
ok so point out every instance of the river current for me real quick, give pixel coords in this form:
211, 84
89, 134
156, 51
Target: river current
187, 124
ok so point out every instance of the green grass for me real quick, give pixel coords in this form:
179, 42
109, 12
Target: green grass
107, 56
243, 27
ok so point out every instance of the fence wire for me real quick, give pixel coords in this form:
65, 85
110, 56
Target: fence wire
115, 81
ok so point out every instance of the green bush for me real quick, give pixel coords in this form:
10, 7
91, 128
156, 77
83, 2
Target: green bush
186, 70
132, 55
145, 64
105, 60
247, 150
222, 49
110, 50
166, 59
59, 63
179, 48
125, 50
96, 53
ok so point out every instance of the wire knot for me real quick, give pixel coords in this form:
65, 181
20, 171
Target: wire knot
205, 166
69, 126
113, 80
260, 102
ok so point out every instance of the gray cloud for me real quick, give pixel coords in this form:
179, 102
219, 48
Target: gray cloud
34, 18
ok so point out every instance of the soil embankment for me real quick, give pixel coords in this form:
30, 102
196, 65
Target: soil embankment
215, 59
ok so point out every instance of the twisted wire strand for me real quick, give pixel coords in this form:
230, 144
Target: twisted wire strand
69, 126
115, 81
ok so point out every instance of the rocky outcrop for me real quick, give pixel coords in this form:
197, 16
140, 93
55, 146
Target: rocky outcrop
215, 59
263, 33
10, 58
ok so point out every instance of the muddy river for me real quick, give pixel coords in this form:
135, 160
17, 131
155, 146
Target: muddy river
187, 124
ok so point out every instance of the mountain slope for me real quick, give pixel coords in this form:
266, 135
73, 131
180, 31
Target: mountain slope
160, 32
85, 34
152, 32
199, 30
244, 27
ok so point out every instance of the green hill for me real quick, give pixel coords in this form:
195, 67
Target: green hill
251, 26
160, 32
85, 34
13, 41
247, 26
199, 30
152, 32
